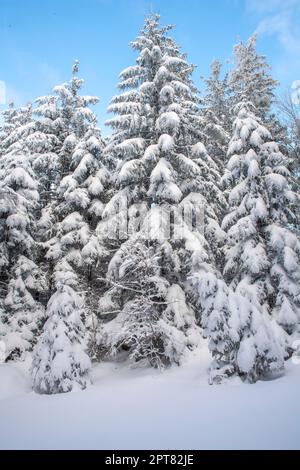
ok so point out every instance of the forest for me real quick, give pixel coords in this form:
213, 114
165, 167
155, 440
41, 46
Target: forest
180, 226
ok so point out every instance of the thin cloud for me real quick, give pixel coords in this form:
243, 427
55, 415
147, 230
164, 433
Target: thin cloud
271, 5
279, 18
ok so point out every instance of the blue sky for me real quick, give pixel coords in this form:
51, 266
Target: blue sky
40, 39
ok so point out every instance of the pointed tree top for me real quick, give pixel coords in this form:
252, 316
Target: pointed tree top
252, 40
215, 67
152, 20
75, 67
151, 24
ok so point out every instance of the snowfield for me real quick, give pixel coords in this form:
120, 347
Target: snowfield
128, 408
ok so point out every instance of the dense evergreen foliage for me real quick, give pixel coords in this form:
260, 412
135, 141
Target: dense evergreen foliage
179, 229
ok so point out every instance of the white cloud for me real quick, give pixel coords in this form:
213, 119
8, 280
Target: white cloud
281, 26
279, 18
271, 5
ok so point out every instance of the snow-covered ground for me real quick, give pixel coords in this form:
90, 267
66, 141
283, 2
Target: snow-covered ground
129, 408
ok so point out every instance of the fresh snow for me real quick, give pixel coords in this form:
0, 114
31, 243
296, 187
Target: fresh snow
142, 408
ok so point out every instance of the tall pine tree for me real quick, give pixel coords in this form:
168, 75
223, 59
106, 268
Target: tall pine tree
257, 262
72, 250
164, 179
22, 313
250, 78
215, 112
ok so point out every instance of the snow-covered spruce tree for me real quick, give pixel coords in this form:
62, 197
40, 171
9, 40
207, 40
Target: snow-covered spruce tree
43, 138
155, 322
290, 110
250, 78
60, 363
23, 280
45, 143
164, 174
23, 315
10, 120
16, 126
91, 173
215, 112
259, 245
283, 244
82, 181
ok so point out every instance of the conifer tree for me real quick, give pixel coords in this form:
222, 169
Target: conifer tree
250, 78
215, 112
23, 315
60, 363
23, 280
81, 183
163, 173
45, 144
283, 244
289, 108
260, 206
10, 120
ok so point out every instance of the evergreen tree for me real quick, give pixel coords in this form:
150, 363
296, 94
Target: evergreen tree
22, 281
10, 120
250, 78
215, 113
23, 314
284, 245
59, 362
212, 297
155, 323
45, 143
81, 181
260, 205
290, 110
164, 180
78, 184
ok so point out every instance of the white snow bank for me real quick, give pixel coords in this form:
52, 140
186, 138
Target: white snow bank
142, 408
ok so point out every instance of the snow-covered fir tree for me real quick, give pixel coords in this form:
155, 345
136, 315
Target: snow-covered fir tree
81, 184
17, 124
24, 315
123, 235
10, 120
154, 319
283, 243
60, 363
257, 261
80, 177
215, 111
289, 109
21, 280
250, 78
165, 180
45, 142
